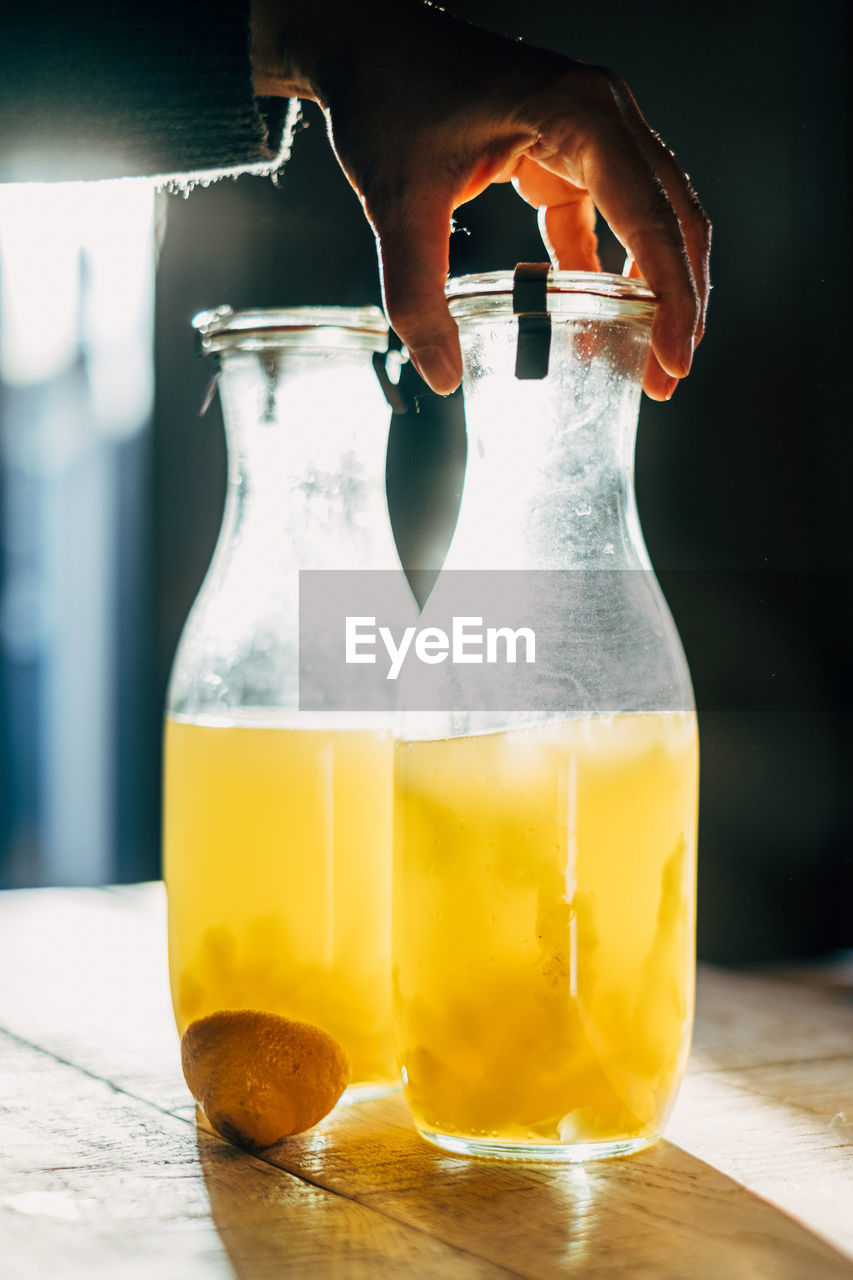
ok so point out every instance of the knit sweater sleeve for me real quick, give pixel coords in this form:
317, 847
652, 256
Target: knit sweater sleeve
132, 88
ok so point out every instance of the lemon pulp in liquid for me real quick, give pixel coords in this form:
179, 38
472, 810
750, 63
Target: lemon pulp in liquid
544, 926
277, 868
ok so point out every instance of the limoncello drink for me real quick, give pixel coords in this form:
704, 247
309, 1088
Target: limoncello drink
277, 850
543, 932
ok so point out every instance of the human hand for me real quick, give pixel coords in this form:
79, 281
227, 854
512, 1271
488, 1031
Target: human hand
424, 111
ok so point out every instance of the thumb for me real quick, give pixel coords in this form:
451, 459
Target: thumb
412, 243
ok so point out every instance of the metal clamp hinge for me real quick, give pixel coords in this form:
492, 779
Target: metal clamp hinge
530, 305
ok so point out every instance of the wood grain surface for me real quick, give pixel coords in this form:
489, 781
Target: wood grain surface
105, 1170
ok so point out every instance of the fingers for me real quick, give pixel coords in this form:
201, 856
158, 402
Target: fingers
633, 200
693, 221
660, 220
611, 160
413, 251
566, 217
657, 384
567, 222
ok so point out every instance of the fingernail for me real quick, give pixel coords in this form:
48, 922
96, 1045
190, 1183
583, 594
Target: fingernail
687, 355
670, 392
438, 368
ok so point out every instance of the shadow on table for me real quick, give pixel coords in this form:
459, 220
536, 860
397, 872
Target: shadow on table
273, 1224
362, 1194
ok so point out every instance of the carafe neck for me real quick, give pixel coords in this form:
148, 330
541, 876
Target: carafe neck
306, 439
549, 482
553, 369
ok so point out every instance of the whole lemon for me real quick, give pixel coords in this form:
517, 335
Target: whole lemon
259, 1077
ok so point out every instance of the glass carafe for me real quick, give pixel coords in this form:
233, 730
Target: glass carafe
544, 868
277, 822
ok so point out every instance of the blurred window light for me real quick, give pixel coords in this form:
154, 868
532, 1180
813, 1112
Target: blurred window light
73, 275
76, 390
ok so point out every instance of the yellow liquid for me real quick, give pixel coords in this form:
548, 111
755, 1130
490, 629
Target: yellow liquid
277, 851
544, 930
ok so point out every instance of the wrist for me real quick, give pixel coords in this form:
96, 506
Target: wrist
282, 61
299, 47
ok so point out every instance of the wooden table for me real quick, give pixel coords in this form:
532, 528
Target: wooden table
105, 1171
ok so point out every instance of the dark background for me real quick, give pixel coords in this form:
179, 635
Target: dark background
742, 479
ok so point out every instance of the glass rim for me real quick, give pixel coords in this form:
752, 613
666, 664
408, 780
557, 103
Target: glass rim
224, 329
599, 284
